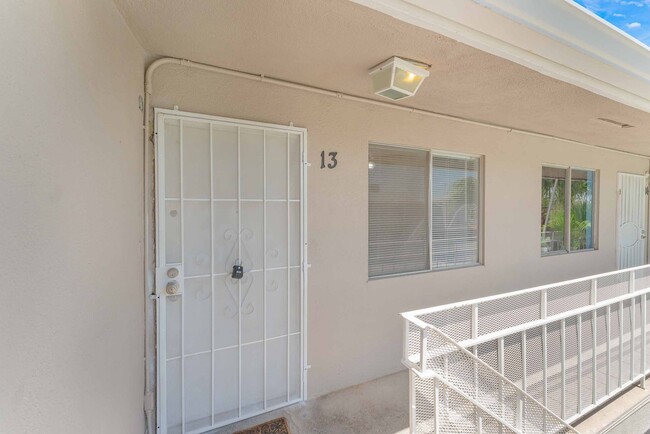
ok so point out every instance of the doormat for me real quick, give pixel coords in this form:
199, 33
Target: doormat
275, 426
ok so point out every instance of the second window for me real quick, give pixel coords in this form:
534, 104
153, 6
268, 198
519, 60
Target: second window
567, 214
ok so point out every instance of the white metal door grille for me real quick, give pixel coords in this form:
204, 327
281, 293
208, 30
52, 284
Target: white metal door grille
228, 193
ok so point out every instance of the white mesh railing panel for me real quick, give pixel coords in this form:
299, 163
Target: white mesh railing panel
455, 323
510, 312
586, 359
425, 404
512, 362
647, 336
614, 285
487, 352
564, 298
642, 279
566, 347
413, 343
638, 337
615, 348
459, 413
474, 381
626, 342
571, 391
535, 364
554, 368
601, 353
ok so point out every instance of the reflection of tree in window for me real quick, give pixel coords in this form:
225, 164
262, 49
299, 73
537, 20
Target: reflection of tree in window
582, 188
553, 218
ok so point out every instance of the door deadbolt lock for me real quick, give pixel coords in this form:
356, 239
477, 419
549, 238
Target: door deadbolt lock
172, 273
172, 288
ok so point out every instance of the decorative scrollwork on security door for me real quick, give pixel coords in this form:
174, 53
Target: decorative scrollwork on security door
203, 292
245, 236
233, 307
273, 286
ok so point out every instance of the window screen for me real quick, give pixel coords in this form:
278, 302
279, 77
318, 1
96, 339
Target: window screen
398, 187
454, 211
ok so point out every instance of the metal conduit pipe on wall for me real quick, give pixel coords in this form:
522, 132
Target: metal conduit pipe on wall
149, 255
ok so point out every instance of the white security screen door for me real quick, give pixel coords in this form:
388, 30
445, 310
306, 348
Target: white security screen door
230, 269
631, 222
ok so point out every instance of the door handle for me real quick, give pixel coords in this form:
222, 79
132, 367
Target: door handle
643, 234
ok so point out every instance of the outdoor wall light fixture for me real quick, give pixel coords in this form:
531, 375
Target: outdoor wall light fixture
397, 78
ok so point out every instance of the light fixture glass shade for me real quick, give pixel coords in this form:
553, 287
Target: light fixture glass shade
397, 78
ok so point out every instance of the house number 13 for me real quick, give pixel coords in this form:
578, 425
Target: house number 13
332, 160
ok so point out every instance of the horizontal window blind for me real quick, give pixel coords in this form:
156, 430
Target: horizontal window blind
398, 188
454, 211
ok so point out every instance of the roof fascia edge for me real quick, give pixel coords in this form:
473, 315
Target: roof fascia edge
417, 16
598, 25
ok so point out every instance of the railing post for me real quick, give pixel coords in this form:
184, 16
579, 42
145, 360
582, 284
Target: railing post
579, 382
523, 361
632, 321
563, 367
594, 363
544, 366
519, 413
412, 403
620, 344
632, 330
476, 386
424, 353
608, 326
475, 321
501, 369
594, 291
543, 304
405, 347
644, 339
436, 404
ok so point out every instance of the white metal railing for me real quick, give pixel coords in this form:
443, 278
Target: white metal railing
570, 347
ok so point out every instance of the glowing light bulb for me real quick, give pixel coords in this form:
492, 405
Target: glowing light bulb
410, 77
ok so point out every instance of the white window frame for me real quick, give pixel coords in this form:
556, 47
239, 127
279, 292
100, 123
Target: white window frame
481, 208
567, 208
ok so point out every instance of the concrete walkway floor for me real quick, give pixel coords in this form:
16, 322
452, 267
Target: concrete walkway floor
629, 413
376, 407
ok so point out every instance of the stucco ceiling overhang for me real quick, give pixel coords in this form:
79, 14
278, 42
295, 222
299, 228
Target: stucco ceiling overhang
331, 44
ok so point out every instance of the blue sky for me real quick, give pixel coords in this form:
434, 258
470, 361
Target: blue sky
633, 16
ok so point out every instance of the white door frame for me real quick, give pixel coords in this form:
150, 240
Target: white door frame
159, 116
619, 199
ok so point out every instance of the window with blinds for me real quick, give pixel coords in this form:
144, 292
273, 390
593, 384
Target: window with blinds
398, 186
423, 209
454, 211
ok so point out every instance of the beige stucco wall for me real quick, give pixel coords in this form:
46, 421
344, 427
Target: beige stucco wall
354, 330
71, 219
